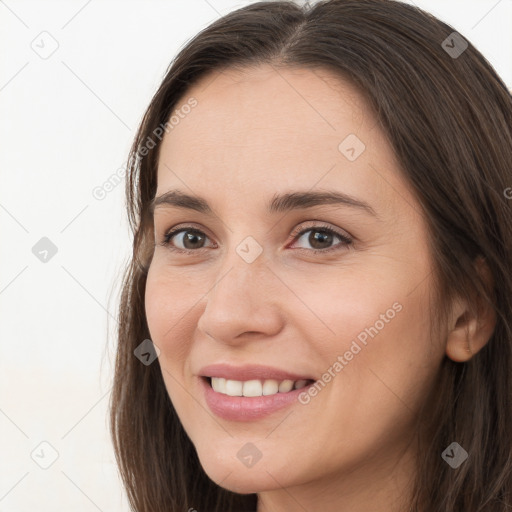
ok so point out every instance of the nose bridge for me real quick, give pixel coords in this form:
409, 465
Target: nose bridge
240, 274
238, 301
245, 255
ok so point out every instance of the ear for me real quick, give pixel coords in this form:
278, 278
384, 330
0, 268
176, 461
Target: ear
470, 332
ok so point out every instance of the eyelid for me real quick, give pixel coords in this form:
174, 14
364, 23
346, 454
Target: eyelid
319, 224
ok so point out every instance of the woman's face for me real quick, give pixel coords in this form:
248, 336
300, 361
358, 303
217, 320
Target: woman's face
248, 287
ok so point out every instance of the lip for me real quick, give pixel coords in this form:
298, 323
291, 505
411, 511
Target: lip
250, 372
242, 408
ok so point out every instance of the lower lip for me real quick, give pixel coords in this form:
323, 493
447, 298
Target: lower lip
242, 408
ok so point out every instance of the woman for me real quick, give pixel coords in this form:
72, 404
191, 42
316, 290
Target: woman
317, 315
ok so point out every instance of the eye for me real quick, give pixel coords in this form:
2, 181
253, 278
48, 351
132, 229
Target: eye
190, 239
320, 236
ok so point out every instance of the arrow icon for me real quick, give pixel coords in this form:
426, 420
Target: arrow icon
44, 455
44, 250
45, 45
351, 147
454, 455
454, 45
249, 249
249, 455
147, 352
450, 455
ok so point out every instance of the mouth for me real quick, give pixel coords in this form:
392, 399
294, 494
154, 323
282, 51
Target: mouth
254, 387
252, 391
253, 400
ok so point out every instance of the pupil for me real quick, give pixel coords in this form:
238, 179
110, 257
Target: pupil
319, 237
190, 237
316, 239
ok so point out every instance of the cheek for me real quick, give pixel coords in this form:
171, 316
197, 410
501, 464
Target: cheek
169, 311
353, 304
373, 334
397, 361
169, 304
157, 302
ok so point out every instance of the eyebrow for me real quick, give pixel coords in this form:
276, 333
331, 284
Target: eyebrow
278, 204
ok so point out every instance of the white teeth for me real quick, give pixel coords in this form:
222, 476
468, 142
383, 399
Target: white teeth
219, 385
234, 387
251, 388
270, 387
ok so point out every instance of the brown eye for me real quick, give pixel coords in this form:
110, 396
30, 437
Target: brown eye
321, 239
187, 239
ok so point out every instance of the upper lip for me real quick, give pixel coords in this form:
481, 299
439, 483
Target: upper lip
250, 372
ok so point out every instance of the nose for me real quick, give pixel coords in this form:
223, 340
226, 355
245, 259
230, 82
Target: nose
243, 303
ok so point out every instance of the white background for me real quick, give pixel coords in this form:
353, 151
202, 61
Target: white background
66, 125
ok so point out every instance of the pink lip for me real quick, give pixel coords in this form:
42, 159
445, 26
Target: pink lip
241, 408
250, 372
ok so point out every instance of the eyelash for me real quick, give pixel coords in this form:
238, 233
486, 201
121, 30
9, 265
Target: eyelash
345, 240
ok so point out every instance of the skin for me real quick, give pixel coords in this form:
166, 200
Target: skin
255, 133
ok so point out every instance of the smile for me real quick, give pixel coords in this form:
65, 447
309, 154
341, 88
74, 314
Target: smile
255, 387
255, 404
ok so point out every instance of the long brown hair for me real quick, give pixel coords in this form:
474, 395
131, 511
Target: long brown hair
448, 117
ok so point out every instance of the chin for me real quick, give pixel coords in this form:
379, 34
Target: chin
245, 482
230, 473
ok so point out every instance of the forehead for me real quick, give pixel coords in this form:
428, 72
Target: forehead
261, 130
277, 110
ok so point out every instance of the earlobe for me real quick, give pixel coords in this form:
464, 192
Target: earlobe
471, 331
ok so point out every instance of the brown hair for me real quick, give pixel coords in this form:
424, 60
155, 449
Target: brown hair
448, 119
